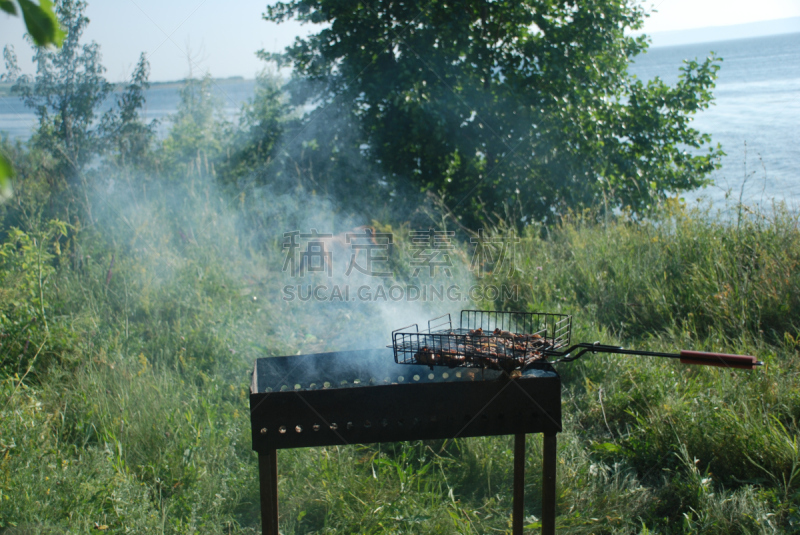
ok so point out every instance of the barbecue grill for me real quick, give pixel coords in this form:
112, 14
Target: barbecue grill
391, 394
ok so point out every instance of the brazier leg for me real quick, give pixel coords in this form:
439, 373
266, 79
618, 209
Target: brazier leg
519, 484
549, 485
268, 482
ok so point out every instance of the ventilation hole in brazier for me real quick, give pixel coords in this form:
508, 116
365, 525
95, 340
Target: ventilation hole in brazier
350, 425
282, 430
297, 387
315, 427
367, 424
357, 381
458, 374
431, 376
334, 426
416, 377
445, 375
326, 384
401, 379
298, 429
385, 422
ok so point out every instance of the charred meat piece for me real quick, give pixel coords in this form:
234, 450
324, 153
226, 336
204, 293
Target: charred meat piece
504, 334
497, 349
425, 356
451, 358
531, 337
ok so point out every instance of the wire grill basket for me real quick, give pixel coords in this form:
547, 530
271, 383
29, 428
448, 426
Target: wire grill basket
483, 339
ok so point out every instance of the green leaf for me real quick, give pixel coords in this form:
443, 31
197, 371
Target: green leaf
607, 447
6, 172
41, 22
8, 6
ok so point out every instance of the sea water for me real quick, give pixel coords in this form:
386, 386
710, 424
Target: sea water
755, 115
161, 104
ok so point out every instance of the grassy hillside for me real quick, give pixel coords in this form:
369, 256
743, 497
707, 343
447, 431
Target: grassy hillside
128, 337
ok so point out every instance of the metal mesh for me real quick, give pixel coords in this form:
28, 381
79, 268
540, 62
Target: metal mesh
484, 339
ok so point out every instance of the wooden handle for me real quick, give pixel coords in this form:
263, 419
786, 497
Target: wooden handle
723, 360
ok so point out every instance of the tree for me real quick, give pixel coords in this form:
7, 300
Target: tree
198, 129
127, 137
68, 87
318, 153
261, 126
526, 103
43, 27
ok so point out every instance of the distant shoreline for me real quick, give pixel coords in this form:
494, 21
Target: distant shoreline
5, 87
667, 39
714, 34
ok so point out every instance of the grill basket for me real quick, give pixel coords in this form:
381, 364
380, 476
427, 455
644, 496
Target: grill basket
483, 339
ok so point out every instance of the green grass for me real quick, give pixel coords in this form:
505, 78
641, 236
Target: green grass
129, 407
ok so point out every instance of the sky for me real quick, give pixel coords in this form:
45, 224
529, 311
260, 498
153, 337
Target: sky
183, 37
671, 15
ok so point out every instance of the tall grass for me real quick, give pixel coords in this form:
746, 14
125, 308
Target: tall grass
137, 419
686, 270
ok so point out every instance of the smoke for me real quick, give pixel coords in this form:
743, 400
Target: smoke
320, 180
182, 242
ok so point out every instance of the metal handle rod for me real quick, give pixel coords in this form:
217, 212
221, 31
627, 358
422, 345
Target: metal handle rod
686, 357
601, 348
